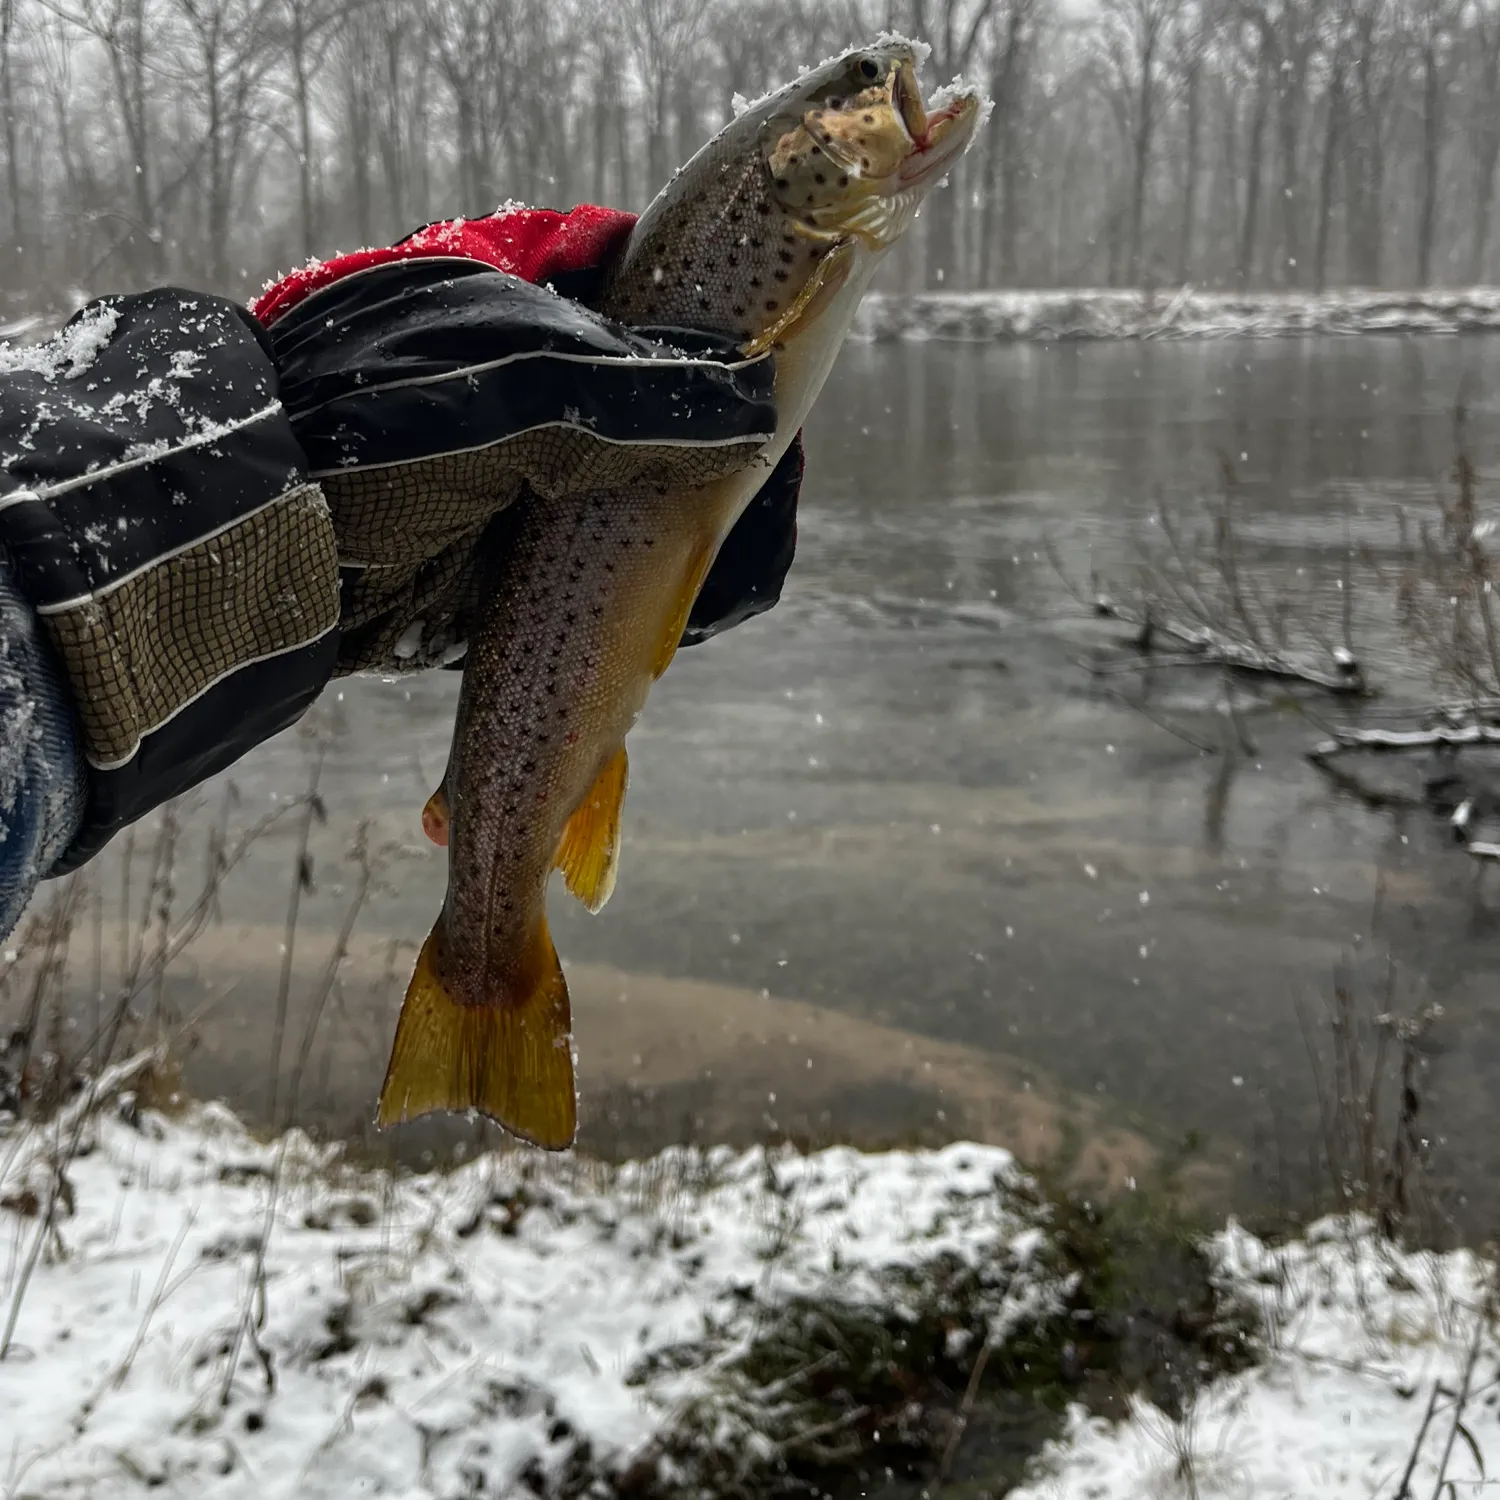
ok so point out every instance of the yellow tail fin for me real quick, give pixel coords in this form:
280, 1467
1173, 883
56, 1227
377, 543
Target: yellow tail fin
512, 1060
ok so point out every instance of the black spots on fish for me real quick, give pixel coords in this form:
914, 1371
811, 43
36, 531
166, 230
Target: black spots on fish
844, 180
868, 119
781, 276
770, 304
755, 282
738, 310
763, 208
782, 183
787, 257
732, 261
864, 162
819, 178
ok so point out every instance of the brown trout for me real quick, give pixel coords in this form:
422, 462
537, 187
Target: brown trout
770, 234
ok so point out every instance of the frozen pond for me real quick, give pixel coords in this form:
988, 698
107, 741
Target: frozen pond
895, 867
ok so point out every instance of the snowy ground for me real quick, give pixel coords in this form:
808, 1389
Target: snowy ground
218, 1316
1171, 313
440, 1335
1380, 1377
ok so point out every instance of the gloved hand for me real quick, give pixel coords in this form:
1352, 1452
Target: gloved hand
173, 588
429, 392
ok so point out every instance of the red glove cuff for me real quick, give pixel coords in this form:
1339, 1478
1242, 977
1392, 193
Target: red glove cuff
535, 244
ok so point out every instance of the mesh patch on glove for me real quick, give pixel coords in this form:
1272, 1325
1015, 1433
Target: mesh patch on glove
158, 514
138, 652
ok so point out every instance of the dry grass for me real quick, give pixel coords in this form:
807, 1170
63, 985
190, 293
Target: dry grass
60, 1066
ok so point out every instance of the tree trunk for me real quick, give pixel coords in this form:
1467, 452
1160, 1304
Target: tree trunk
468, 155
941, 217
1144, 122
1484, 200
1289, 133
1190, 185
1245, 262
1432, 112
1326, 170
16, 263
301, 91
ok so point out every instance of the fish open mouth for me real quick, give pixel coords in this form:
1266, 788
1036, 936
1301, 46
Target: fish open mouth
937, 138
942, 138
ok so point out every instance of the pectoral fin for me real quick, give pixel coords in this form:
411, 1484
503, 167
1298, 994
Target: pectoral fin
511, 1058
435, 816
832, 272
589, 851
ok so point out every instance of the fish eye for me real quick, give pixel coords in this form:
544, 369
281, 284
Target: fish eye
869, 68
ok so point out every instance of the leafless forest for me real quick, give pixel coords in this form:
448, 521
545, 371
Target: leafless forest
1231, 143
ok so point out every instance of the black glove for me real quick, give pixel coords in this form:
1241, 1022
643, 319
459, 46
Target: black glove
430, 394
159, 508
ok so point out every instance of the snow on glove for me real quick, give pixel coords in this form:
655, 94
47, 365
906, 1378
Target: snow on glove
157, 516
433, 382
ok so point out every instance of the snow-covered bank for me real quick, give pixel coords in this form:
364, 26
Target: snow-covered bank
224, 1317
518, 1321
1045, 316
1380, 1379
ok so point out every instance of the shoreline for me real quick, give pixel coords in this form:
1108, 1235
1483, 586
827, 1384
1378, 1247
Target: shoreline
1088, 315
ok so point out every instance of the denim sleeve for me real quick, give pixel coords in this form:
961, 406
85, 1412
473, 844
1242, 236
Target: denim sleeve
43, 777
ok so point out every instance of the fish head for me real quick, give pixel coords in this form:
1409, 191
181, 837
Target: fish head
755, 235
851, 151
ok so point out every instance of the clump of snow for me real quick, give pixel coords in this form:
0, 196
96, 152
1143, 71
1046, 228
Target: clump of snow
1371, 1354
232, 1317
68, 353
920, 51
960, 87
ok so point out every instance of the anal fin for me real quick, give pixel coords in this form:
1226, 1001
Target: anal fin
588, 853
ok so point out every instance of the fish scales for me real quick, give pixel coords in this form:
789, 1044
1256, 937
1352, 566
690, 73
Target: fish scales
769, 235
548, 657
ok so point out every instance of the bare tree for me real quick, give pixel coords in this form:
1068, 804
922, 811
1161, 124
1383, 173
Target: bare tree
1433, 28
1219, 142
1134, 34
1483, 125
663, 37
